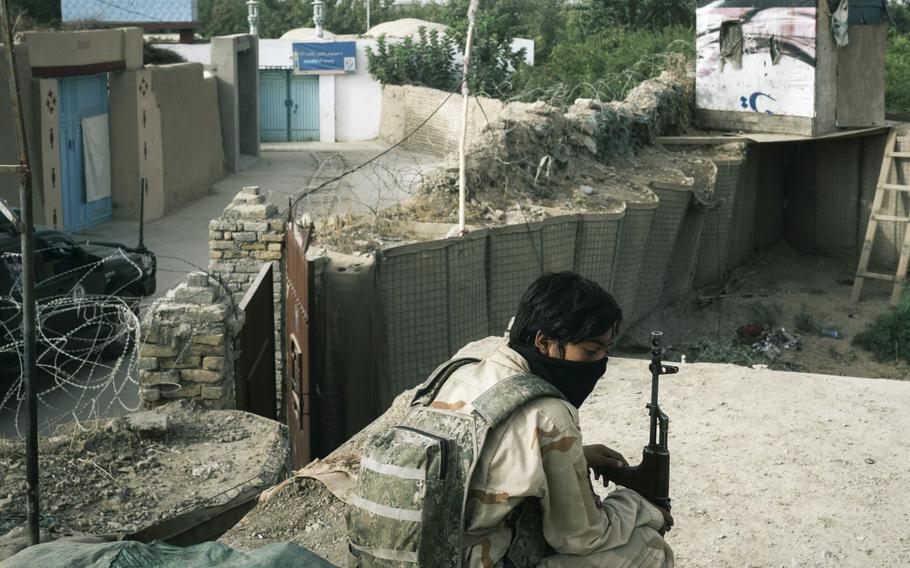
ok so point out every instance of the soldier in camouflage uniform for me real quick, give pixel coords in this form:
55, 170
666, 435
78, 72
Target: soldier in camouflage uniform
530, 498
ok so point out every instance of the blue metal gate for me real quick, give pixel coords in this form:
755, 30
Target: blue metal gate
304, 116
81, 97
289, 106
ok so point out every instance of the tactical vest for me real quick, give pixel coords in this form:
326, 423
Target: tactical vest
409, 507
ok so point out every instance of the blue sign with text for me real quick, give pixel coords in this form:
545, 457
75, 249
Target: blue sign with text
325, 58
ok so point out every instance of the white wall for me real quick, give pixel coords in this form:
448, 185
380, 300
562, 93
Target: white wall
358, 101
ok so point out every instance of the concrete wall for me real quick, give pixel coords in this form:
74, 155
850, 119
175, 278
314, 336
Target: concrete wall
85, 48
126, 152
405, 107
192, 151
9, 154
235, 62
165, 130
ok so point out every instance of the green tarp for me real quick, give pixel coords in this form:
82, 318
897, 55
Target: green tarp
130, 554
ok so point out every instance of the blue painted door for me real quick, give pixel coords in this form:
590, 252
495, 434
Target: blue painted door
305, 108
289, 106
80, 97
273, 103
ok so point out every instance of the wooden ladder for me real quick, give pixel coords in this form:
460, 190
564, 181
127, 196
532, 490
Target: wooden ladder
893, 191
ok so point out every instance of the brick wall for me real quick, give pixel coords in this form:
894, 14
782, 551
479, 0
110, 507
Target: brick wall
405, 107
189, 345
249, 233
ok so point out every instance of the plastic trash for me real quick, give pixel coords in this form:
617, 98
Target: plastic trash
831, 332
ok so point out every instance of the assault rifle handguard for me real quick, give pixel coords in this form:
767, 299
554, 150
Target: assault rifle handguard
650, 478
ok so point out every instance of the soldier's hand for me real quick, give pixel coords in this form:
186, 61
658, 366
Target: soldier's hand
600, 456
668, 521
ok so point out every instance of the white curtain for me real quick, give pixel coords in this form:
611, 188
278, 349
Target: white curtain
96, 141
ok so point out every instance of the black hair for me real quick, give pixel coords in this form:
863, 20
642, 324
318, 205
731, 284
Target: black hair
566, 307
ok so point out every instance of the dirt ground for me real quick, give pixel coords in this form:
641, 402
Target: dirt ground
780, 287
768, 468
117, 477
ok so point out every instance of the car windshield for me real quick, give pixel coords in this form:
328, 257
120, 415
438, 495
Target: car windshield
57, 256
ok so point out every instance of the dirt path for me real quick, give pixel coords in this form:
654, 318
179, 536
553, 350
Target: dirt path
771, 468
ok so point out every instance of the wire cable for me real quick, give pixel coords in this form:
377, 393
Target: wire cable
377, 156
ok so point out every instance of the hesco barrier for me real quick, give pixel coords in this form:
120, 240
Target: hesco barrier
630, 253
661, 240
714, 244
384, 323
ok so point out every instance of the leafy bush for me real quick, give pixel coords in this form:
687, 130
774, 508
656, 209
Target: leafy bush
888, 337
427, 62
430, 61
897, 74
602, 66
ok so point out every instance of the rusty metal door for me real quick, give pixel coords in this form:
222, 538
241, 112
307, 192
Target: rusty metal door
297, 375
255, 374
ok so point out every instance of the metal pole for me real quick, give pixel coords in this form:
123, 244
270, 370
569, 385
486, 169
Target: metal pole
143, 183
28, 280
368, 14
465, 95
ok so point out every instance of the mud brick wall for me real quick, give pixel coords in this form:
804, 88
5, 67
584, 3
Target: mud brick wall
249, 233
188, 347
405, 107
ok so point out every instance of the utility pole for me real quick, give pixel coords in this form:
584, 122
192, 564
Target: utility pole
26, 228
465, 95
368, 14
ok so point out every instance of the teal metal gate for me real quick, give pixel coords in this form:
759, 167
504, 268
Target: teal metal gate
289, 106
81, 97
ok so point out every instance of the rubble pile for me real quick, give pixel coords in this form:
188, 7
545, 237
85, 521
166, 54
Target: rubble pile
535, 144
120, 476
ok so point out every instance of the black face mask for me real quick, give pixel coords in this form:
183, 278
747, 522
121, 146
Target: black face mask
574, 379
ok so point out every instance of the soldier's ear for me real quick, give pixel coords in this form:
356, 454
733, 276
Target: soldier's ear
542, 343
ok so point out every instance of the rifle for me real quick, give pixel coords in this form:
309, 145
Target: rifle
650, 478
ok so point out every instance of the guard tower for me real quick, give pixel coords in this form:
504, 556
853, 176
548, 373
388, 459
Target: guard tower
804, 67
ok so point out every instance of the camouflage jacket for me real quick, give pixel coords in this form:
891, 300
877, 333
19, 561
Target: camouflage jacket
537, 453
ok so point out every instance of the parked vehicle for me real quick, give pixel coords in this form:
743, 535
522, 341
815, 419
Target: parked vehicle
78, 290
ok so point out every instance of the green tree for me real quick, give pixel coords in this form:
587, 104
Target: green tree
897, 74
644, 14
900, 16
428, 61
602, 66
222, 17
35, 13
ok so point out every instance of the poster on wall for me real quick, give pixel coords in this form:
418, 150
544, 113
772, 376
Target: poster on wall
332, 58
756, 56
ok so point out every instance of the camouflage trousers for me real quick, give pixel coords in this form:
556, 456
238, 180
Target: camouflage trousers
645, 548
